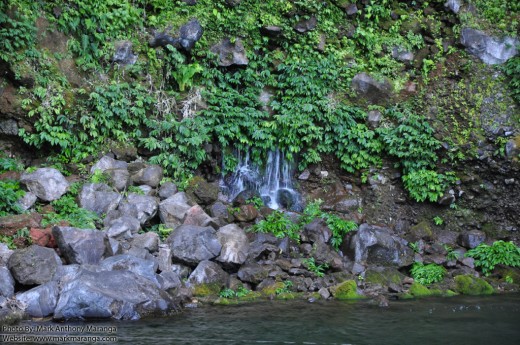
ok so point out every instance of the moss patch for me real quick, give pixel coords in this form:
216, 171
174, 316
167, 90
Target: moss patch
346, 290
469, 285
204, 290
384, 277
271, 289
419, 290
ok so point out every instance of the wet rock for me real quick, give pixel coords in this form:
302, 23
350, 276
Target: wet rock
145, 206
98, 198
173, 210
27, 201
230, 53
125, 262
47, 184
189, 34
306, 25
121, 295
471, 239
41, 300
9, 225
374, 118
305, 175
192, 244
447, 199
149, 241
377, 245
235, 245
124, 227
244, 196
208, 272
220, 211
253, 273
489, 49
80, 246
196, 216
6, 282
373, 91
33, 265
150, 175
324, 293
108, 163
205, 193
167, 190
124, 54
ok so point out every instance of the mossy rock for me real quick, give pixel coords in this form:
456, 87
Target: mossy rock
204, 290
469, 285
450, 293
202, 192
504, 272
419, 290
420, 231
345, 291
251, 296
384, 276
271, 289
225, 301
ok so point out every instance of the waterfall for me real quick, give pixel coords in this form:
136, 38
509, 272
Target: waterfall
273, 183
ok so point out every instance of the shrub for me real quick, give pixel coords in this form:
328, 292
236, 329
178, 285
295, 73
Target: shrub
500, 253
278, 224
313, 267
10, 193
427, 274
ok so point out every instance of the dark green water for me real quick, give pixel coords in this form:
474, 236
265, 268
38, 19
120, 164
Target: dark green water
458, 320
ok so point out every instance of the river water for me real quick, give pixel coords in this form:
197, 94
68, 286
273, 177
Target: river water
493, 320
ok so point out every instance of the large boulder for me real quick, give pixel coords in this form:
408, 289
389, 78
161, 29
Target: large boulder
108, 163
189, 34
150, 175
305, 25
6, 282
167, 190
375, 92
471, 239
208, 272
230, 54
143, 205
80, 246
98, 198
173, 210
489, 49
196, 216
41, 300
149, 241
377, 245
192, 244
125, 262
34, 265
235, 244
254, 273
111, 294
47, 184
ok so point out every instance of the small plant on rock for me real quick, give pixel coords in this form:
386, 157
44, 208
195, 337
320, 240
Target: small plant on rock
287, 285
278, 224
427, 274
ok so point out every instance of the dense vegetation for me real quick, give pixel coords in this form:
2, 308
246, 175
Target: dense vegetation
172, 103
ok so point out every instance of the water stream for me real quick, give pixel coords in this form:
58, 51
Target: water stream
273, 182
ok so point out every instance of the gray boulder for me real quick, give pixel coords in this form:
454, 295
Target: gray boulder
108, 163
173, 210
124, 54
208, 272
471, 239
47, 184
6, 282
489, 49
149, 241
453, 5
230, 54
169, 280
98, 198
150, 175
377, 245
33, 265
145, 206
41, 300
142, 267
377, 92
306, 25
164, 258
167, 190
124, 227
27, 201
189, 34
235, 244
253, 273
316, 231
5, 253
192, 244
196, 216
400, 54
121, 295
119, 178
80, 246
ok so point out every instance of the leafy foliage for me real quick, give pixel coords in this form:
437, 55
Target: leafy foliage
278, 224
162, 230
512, 69
427, 274
500, 253
9, 164
10, 193
241, 291
319, 270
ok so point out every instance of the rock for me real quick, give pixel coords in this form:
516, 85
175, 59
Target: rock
119, 178
233, 3
192, 244
196, 216
126, 262
181, 270
164, 258
149, 241
108, 163
123, 227
305, 175
376, 245
9, 127
512, 147
402, 55
145, 206
346, 290
111, 294
453, 5
9, 225
173, 210
447, 199
124, 54
253, 273
220, 211
374, 118
169, 280
471, 239
41, 300
167, 190
317, 231
98, 198
6, 283
468, 262
489, 49
189, 34
205, 193
27, 201
230, 53
509, 181
245, 196
5, 254
235, 244
306, 25
351, 9
150, 175
272, 31
372, 90
208, 272
190, 2
42, 237
246, 213
324, 293
33, 265
79, 246
421, 231
469, 285
66, 272
47, 184
289, 199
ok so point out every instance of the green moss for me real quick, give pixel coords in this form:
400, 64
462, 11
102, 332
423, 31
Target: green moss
421, 231
419, 290
469, 285
251, 296
346, 290
225, 301
271, 289
450, 293
384, 277
204, 290
286, 296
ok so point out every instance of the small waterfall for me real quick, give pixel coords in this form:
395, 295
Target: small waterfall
273, 184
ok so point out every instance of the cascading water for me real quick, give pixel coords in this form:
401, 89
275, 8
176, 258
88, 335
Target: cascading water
273, 184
